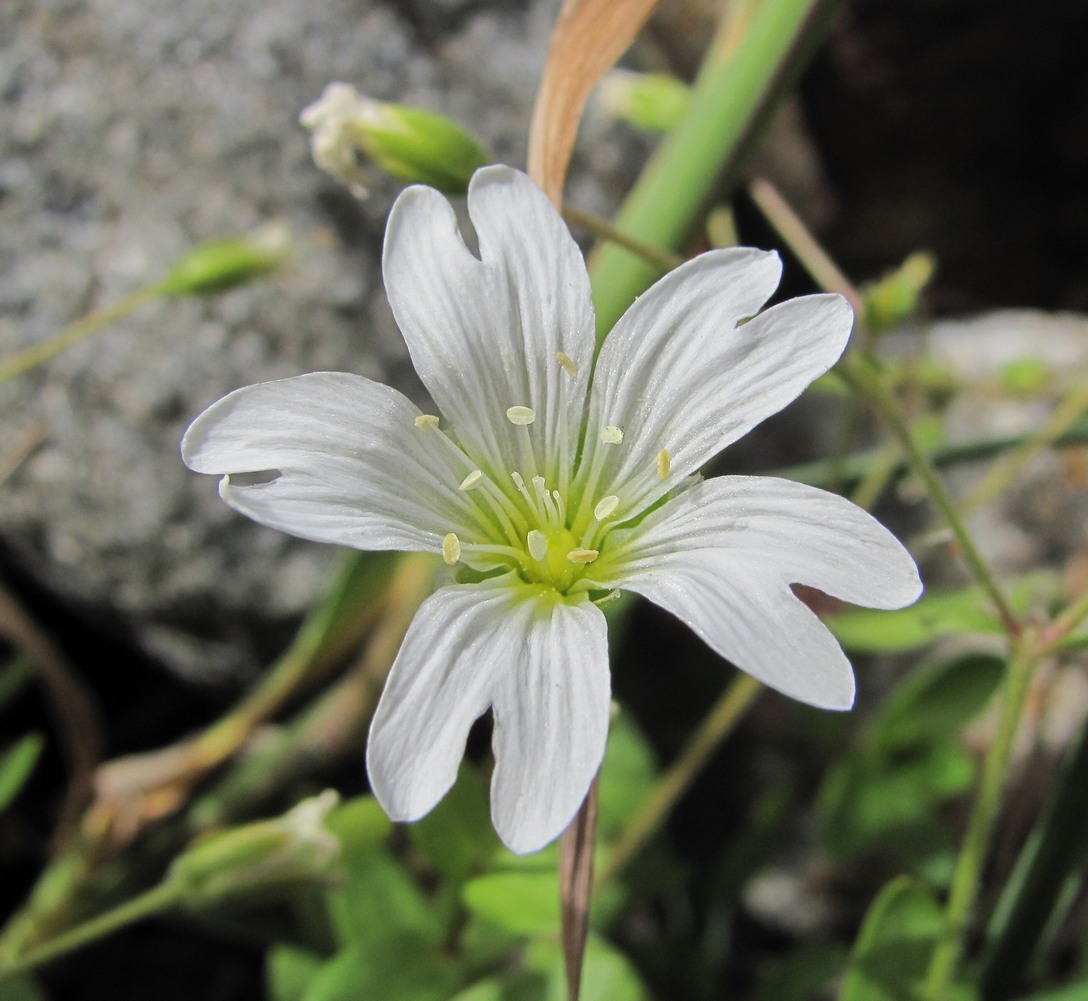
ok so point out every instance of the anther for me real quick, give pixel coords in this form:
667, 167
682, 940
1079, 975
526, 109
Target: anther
522, 416
611, 435
451, 549
567, 363
583, 555
426, 422
472, 480
537, 543
664, 463
606, 507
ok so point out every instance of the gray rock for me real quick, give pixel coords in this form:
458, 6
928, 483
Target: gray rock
135, 129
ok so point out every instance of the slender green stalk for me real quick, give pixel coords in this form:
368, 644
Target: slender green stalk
972, 854
78, 331
156, 900
663, 260
1053, 853
748, 57
1003, 474
862, 374
674, 781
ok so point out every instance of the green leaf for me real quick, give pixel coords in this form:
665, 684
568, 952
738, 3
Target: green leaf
892, 951
523, 901
800, 975
517, 985
935, 702
607, 974
934, 615
380, 900
868, 801
1077, 991
361, 825
626, 776
22, 988
289, 972
456, 837
16, 765
405, 968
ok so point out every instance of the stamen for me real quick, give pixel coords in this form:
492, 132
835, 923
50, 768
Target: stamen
606, 507
522, 416
664, 463
567, 363
472, 480
581, 556
426, 422
560, 507
451, 549
611, 435
538, 544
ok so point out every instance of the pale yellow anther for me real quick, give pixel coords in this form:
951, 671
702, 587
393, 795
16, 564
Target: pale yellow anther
451, 549
664, 463
538, 544
606, 507
583, 555
611, 435
426, 422
522, 416
472, 480
567, 363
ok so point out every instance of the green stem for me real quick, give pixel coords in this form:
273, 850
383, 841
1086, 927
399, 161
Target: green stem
75, 332
673, 783
965, 878
857, 467
863, 376
1053, 853
154, 901
748, 58
663, 260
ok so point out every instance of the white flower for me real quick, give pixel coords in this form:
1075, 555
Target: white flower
546, 486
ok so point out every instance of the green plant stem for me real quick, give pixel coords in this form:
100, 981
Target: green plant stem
808, 250
1003, 474
154, 901
864, 377
756, 49
663, 260
674, 781
1054, 852
77, 331
855, 468
972, 854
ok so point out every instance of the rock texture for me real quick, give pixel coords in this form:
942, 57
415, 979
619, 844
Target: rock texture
134, 129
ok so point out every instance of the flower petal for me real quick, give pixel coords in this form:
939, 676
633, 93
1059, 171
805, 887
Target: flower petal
792, 532
540, 661
486, 334
551, 723
345, 463
757, 624
680, 373
722, 555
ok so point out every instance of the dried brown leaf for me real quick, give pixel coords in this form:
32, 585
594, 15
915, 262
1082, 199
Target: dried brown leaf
589, 36
575, 887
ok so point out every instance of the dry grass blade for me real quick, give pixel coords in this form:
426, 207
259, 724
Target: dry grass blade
589, 36
575, 886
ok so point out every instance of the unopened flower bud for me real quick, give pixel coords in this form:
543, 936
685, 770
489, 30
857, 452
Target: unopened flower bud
409, 143
261, 859
651, 101
222, 264
894, 298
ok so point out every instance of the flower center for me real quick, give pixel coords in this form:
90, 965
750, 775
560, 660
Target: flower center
527, 525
